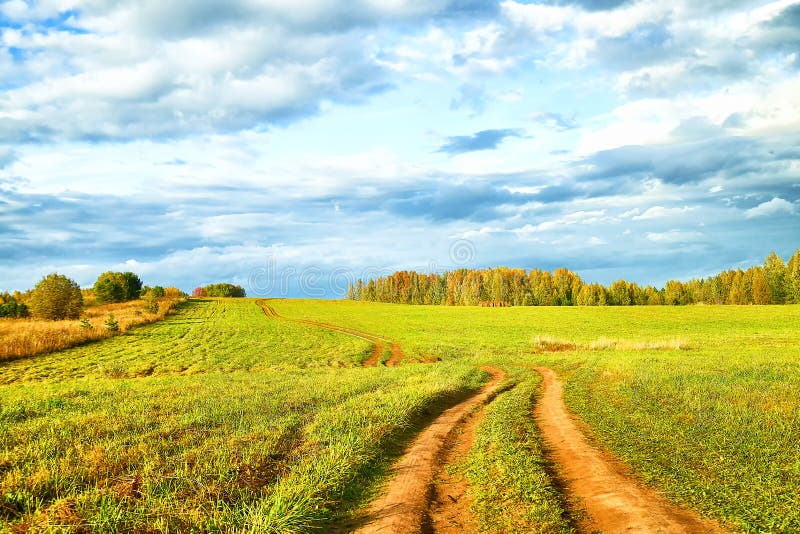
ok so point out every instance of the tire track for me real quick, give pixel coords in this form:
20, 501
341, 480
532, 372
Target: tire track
613, 502
404, 507
380, 345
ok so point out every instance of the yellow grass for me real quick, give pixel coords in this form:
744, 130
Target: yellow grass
551, 344
20, 338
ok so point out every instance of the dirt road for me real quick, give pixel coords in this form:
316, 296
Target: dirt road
613, 502
404, 506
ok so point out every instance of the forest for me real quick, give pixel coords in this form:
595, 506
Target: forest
774, 282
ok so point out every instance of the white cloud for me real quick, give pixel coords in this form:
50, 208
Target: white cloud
569, 219
660, 212
674, 236
776, 206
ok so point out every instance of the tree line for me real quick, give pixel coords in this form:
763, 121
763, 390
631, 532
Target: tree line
56, 297
219, 290
774, 282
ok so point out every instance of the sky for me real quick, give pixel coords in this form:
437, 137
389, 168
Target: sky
293, 146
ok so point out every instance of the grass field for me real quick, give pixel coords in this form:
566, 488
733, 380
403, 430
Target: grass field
703, 401
220, 418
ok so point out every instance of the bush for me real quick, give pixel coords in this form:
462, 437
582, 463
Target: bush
56, 297
11, 307
224, 290
111, 324
157, 292
112, 287
173, 293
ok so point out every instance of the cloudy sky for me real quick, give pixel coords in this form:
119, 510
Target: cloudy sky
288, 145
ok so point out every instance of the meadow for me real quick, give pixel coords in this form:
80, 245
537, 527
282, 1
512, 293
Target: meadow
702, 401
220, 418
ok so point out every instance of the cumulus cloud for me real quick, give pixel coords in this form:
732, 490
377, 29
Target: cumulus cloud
776, 206
674, 236
660, 212
693, 161
177, 69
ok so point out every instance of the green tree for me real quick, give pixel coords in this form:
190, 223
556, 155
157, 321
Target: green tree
10, 306
113, 287
793, 279
775, 272
110, 287
132, 284
157, 292
761, 290
56, 297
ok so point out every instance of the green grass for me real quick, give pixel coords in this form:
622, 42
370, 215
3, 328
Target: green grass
715, 425
720, 433
220, 418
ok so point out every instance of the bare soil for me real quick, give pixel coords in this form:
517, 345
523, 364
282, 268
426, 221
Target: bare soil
405, 506
612, 501
449, 510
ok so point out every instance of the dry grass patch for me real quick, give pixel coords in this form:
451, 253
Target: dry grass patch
21, 338
550, 344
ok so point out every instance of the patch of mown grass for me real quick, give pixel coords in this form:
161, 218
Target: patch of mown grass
204, 336
511, 486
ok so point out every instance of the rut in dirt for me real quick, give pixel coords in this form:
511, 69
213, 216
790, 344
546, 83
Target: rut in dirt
613, 502
406, 504
379, 345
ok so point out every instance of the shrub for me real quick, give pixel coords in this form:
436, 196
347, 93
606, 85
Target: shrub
173, 293
157, 292
56, 297
112, 287
111, 323
11, 307
224, 290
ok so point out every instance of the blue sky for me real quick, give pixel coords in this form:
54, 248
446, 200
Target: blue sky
291, 146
